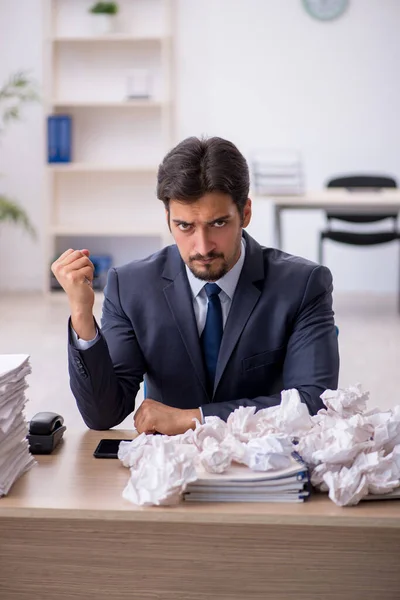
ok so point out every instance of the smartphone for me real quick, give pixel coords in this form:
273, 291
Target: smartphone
108, 448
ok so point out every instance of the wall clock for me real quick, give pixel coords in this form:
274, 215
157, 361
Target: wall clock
325, 10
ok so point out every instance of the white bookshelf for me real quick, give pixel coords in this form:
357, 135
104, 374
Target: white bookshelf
110, 37
105, 199
99, 168
130, 104
71, 231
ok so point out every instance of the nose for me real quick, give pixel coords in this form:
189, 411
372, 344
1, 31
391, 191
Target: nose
203, 242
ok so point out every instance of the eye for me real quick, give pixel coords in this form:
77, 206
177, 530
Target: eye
184, 226
219, 224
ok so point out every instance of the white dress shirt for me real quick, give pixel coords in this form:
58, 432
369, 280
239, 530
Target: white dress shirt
227, 283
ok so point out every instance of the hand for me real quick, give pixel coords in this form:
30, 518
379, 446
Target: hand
74, 271
154, 416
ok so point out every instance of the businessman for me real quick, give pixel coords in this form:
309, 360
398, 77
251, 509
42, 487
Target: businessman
212, 323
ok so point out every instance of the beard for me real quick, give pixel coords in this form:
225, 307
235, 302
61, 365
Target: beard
212, 271
218, 267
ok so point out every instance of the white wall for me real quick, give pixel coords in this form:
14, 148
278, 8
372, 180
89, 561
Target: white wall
261, 73
22, 148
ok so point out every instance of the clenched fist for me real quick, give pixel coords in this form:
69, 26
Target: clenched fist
152, 416
74, 271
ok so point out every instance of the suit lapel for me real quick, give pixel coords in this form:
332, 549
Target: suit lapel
244, 300
179, 298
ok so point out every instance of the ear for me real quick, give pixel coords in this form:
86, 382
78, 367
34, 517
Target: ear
247, 213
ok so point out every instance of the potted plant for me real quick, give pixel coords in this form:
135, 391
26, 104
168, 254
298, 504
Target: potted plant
18, 90
104, 17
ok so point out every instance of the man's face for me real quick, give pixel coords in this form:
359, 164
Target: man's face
208, 233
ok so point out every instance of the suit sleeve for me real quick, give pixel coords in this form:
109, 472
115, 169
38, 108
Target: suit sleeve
312, 358
106, 377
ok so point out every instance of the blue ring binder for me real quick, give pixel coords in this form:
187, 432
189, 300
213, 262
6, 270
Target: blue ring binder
59, 139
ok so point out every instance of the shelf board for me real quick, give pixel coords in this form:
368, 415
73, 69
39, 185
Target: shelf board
60, 296
114, 37
107, 104
70, 231
100, 168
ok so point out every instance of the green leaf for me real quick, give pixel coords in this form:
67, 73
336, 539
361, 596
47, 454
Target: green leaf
104, 8
20, 89
10, 211
11, 113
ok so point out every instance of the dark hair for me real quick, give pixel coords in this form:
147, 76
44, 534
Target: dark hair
196, 167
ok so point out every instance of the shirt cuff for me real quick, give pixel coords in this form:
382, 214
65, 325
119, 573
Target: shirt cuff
83, 344
201, 415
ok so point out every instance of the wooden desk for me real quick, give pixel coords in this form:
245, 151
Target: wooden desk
66, 533
386, 200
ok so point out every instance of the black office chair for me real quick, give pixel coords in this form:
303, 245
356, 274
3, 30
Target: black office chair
353, 238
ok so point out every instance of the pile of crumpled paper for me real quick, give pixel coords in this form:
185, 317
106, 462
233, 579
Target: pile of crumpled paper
351, 452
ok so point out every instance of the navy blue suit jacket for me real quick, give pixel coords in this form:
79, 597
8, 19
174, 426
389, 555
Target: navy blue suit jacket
279, 334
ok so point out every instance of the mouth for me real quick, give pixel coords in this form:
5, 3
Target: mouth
205, 261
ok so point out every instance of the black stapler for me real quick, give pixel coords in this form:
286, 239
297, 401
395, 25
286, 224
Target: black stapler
45, 432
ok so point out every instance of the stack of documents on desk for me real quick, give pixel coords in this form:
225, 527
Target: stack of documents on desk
277, 172
15, 457
241, 484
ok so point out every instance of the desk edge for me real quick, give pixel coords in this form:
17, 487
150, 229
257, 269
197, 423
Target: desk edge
171, 515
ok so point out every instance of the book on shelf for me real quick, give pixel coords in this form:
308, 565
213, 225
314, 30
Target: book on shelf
59, 139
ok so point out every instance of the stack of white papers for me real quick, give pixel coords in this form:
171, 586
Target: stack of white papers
277, 172
240, 484
15, 457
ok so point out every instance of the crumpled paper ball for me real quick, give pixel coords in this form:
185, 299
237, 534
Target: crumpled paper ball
290, 417
346, 402
215, 457
160, 471
351, 452
370, 473
213, 427
270, 453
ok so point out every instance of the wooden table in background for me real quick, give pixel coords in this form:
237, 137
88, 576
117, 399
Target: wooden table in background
335, 199
67, 533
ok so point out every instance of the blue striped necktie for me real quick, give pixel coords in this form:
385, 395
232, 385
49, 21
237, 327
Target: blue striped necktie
212, 333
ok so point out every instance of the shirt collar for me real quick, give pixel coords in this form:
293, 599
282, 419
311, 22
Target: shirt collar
227, 283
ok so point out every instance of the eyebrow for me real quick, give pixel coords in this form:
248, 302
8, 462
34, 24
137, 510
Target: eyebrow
183, 222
